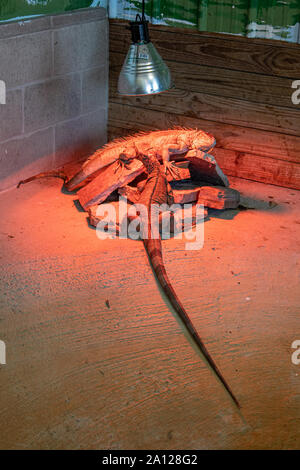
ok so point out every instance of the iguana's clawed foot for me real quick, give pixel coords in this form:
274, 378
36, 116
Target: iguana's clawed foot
123, 162
171, 168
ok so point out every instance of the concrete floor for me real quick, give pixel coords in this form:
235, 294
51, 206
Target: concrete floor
82, 375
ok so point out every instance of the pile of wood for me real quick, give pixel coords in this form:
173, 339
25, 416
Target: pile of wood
113, 172
200, 181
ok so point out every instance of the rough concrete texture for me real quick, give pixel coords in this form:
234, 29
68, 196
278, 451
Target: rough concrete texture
25, 59
82, 375
81, 136
77, 47
56, 74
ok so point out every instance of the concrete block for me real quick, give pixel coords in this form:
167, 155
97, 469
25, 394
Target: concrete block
83, 15
80, 137
94, 89
51, 102
18, 28
11, 115
25, 156
80, 47
26, 58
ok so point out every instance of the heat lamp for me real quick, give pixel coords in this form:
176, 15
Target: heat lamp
143, 72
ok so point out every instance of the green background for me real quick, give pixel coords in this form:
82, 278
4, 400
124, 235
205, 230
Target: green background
10, 9
275, 19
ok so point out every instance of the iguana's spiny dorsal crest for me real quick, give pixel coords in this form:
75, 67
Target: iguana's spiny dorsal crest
180, 135
181, 139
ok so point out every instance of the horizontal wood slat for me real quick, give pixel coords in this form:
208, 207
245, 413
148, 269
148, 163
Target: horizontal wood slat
217, 108
254, 167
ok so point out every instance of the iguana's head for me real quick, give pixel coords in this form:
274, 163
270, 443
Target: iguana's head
199, 140
128, 153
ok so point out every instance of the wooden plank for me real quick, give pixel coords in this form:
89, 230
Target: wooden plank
218, 109
216, 50
217, 197
203, 167
124, 120
108, 180
257, 168
221, 82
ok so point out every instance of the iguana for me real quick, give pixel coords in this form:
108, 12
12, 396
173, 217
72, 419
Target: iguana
162, 143
156, 192
165, 144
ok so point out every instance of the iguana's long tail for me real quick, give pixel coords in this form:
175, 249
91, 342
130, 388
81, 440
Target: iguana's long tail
46, 174
154, 249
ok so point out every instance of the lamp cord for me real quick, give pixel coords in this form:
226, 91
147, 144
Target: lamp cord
138, 16
143, 10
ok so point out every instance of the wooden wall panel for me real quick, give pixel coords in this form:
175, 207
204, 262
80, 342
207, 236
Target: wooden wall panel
222, 82
260, 56
238, 89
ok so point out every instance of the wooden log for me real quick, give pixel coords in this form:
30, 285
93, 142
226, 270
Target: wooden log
132, 192
185, 196
218, 197
108, 180
204, 167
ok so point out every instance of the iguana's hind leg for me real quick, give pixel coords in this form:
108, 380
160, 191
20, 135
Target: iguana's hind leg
54, 173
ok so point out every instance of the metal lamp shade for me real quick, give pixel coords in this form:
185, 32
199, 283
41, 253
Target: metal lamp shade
143, 72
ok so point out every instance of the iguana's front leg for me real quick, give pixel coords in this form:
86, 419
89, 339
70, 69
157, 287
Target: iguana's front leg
123, 162
170, 167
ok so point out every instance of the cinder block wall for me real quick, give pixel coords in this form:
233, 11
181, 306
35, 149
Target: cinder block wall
56, 73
